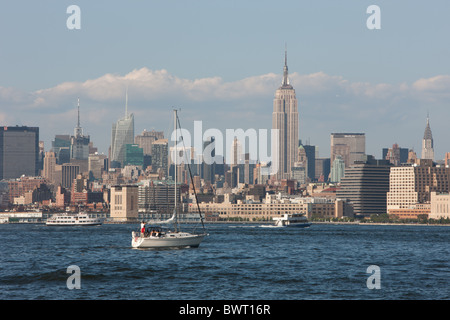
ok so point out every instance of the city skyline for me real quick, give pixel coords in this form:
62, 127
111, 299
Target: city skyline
348, 79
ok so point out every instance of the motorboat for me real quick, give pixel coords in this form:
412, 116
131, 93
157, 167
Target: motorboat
292, 220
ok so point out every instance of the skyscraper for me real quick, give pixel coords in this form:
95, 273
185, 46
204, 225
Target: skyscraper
285, 120
19, 152
350, 146
236, 152
365, 185
79, 143
49, 166
61, 147
396, 155
209, 152
412, 184
121, 135
338, 169
160, 154
134, 155
146, 139
427, 143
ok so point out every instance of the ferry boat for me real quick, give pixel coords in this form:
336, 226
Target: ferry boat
67, 219
292, 220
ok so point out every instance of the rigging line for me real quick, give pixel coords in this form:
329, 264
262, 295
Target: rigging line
190, 175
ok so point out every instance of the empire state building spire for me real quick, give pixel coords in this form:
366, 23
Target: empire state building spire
285, 83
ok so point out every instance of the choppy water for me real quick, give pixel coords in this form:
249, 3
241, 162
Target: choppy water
234, 262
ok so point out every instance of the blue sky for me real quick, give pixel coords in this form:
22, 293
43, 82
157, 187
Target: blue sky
221, 62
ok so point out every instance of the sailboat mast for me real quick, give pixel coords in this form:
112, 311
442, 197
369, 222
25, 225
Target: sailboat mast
175, 162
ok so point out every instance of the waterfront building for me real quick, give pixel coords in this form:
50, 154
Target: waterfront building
271, 206
440, 205
19, 152
427, 143
413, 184
365, 184
413, 212
285, 120
122, 134
124, 203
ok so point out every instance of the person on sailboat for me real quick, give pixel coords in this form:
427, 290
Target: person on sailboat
142, 228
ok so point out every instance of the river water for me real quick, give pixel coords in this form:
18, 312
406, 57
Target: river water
235, 262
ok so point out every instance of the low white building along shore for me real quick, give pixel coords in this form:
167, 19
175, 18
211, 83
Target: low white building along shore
440, 204
272, 206
21, 217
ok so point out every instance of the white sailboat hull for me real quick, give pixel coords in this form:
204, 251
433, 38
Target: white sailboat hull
169, 240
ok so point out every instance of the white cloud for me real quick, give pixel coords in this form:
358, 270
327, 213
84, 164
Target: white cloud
146, 84
327, 103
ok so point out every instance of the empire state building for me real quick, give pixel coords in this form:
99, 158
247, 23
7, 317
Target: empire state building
285, 120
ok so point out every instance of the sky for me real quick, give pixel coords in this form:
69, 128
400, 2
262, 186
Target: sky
220, 62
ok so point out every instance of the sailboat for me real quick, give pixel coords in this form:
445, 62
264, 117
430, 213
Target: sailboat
170, 238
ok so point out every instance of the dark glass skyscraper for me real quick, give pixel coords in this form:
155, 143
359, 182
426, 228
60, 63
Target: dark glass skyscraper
365, 185
19, 152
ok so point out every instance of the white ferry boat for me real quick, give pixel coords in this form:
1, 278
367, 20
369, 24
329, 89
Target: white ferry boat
292, 220
67, 219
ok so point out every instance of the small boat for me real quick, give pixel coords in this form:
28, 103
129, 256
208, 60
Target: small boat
171, 238
68, 219
158, 237
292, 220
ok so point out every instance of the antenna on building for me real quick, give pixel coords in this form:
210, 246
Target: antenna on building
285, 69
126, 102
78, 125
78, 130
